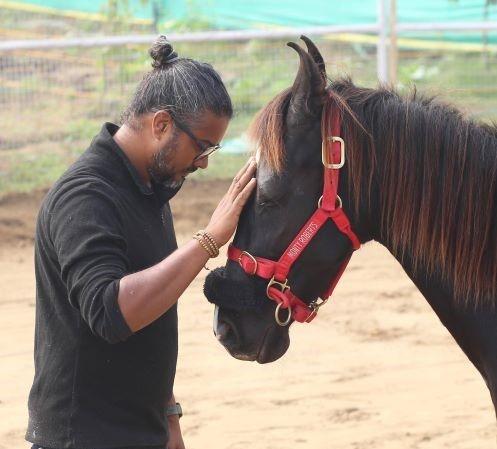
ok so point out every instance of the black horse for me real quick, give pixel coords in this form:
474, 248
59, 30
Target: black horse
419, 178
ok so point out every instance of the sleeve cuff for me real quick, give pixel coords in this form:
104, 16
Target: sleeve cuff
118, 329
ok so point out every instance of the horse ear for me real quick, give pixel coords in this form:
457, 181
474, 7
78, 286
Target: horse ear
316, 55
308, 90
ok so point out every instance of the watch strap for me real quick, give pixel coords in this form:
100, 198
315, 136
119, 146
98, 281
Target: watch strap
174, 410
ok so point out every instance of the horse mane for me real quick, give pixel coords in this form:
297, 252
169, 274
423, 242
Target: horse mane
268, 128
436, 175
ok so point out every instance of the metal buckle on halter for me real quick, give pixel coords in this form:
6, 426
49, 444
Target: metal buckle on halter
324, 153
250, 257
283, 285
315, 306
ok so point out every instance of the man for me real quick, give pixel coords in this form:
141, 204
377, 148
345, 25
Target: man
108, 271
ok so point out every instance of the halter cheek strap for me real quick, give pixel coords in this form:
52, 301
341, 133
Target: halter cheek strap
329, 207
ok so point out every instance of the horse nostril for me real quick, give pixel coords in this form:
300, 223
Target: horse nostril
222, 331
226, 335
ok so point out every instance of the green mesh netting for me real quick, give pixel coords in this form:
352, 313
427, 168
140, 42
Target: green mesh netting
243, 14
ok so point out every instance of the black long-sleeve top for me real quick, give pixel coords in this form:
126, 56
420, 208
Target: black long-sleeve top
97, 385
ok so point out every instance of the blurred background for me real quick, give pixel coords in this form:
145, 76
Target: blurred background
65, 67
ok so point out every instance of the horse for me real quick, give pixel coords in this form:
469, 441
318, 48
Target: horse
408, 171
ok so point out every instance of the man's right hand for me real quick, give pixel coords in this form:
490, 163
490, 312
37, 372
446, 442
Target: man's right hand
225, 218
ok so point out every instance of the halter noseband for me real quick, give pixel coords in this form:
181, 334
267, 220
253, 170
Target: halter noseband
329, 206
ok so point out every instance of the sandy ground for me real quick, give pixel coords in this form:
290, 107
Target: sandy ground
376, 369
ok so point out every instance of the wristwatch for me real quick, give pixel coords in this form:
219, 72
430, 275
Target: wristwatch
174, 410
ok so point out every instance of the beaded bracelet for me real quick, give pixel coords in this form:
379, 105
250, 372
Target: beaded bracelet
208, 243
213, 247
204, 245
211, 239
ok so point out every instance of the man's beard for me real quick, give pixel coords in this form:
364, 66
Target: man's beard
161, 170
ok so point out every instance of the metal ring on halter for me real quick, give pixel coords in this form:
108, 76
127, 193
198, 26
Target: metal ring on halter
277, 315
340, 204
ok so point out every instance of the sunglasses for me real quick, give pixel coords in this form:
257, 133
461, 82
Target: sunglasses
206, 148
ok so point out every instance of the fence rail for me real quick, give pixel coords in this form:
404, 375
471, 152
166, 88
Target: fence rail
201, 36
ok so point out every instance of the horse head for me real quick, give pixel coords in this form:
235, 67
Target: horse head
290, 179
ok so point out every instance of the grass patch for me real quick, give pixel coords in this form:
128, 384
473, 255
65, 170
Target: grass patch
29, 171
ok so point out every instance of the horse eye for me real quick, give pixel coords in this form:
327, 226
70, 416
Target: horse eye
266, 204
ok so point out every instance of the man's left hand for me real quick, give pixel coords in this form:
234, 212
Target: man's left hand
175, 437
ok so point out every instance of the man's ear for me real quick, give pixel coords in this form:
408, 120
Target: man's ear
161, 122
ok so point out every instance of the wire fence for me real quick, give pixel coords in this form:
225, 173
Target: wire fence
53, 100
62, 88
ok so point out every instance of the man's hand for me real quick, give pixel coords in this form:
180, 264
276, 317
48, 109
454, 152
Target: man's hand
175, 437
225, 218
145, 295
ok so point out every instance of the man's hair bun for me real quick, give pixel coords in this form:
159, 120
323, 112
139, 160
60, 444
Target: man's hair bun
162, 53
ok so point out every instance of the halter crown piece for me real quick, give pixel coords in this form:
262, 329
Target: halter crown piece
329, 207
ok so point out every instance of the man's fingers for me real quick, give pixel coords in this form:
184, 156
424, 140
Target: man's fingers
244, 195
243, 176
239, 175
244, 179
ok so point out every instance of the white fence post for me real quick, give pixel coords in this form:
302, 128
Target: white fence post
393, 53
382, 49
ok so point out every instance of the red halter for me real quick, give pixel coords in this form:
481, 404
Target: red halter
329, 206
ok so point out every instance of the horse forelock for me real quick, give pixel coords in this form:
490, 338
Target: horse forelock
267, 132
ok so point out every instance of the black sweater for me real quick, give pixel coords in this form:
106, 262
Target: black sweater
97, 385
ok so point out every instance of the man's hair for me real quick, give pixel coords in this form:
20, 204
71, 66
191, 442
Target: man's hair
184, 87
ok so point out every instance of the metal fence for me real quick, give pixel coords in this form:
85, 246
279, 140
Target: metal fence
54, 95
61, 88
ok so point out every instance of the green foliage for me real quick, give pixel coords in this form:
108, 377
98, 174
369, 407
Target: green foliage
119, 15
29, 172
463, 79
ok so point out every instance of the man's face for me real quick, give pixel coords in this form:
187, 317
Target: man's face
162, 168
178, 151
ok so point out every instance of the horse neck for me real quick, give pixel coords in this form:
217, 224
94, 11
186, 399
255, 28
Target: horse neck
474, 330
425, 207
